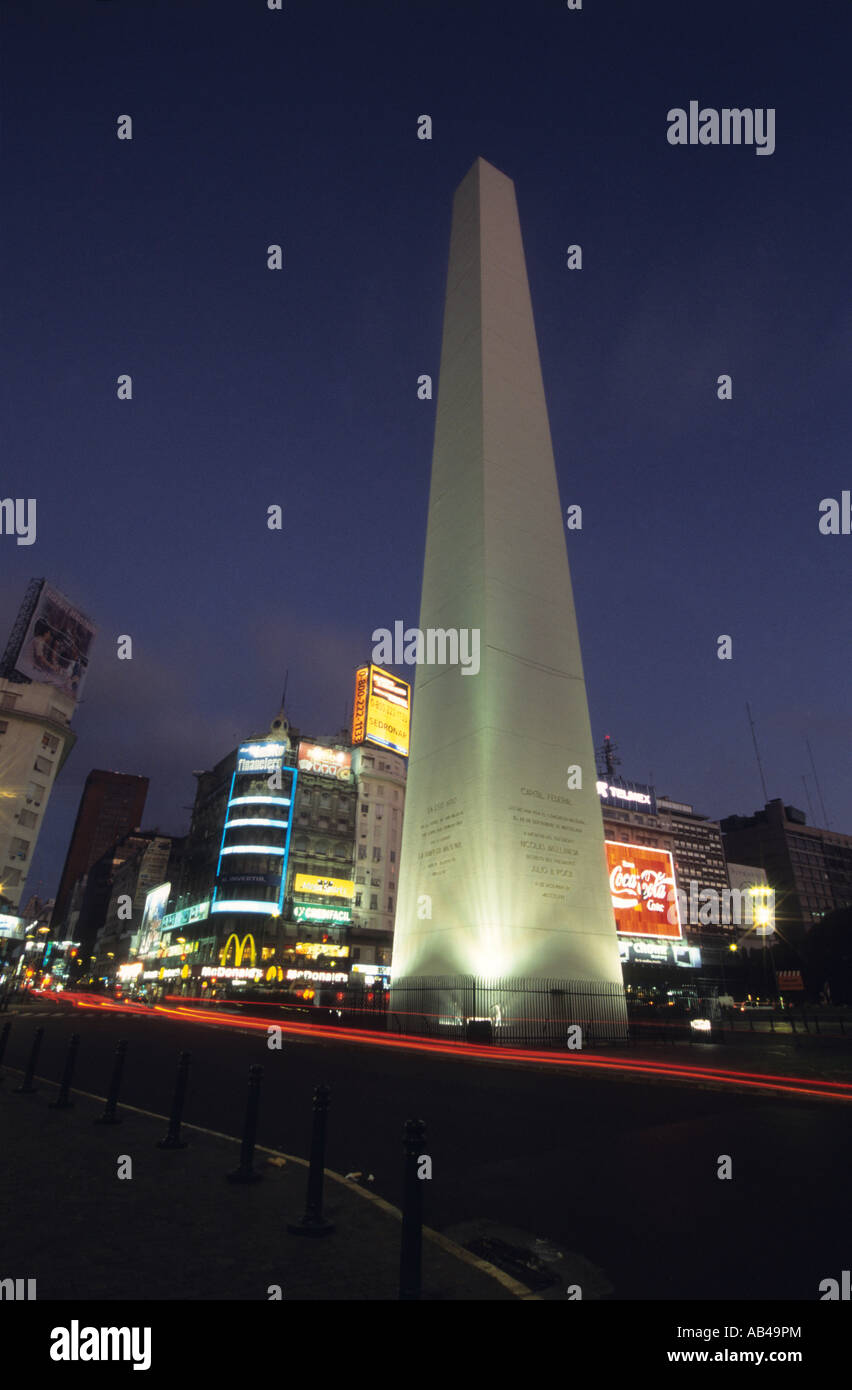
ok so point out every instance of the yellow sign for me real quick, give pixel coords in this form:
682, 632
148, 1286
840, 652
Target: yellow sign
359, 713
319, 948
240, 948
327, 887
388, 711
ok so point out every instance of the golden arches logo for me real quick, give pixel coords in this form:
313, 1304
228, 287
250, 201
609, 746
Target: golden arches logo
240, 948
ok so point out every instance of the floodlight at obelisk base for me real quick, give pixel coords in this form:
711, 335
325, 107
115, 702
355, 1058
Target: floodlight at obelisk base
503, 872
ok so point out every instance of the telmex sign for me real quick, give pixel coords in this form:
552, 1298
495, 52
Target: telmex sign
642, 884
326, 887
259, 757
382, 712
328, 762
633, 794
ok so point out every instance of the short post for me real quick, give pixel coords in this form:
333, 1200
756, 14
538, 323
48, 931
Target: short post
246, 1171
313, 1223
26, 1088
62, 1102
411, 1245
173, 1139
109, 1117
4, 1038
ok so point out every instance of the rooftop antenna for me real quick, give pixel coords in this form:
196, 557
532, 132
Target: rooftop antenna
607, 752
819, 789
808, 795
757, 753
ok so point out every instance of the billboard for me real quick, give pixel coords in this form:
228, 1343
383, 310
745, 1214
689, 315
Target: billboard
55, 646
152, 918
326, 887
260, 757
329, 916
633, 796
328, 762
642, 886
382, 712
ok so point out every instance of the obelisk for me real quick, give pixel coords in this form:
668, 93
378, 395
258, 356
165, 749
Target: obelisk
503, 872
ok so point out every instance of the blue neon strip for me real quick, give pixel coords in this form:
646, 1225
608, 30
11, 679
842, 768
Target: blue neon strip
242, 905
252, 849
284, 861
259, 800
257, 820
224, 828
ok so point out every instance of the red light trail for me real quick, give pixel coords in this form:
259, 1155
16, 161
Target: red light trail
737, 1080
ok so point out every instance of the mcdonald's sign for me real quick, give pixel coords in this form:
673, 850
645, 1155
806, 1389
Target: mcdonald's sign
240, 948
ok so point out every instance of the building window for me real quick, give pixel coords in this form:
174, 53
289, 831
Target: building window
8, 700
374, 902
365, 810
41, 765
390, 904
362, 851
58, 714
18, 848
357, 899
393, 856
49, 742
4, 724
27, 819
380, 812
377, 855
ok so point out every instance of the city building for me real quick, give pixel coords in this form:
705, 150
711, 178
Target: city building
35, 741
270, 891
41, 676
110, 808
810, 868
152, 860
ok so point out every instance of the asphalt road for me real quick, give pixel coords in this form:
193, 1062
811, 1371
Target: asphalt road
621, 1170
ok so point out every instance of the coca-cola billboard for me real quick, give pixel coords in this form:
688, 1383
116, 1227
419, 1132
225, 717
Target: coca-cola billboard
643, 889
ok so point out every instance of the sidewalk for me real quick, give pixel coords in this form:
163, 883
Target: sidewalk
176, 1229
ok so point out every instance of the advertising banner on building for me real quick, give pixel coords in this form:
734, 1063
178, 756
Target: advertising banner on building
55, 647
388, 711
359, 712
326, 887
642, 885
327, 762
260, 757
630, 796
152, 918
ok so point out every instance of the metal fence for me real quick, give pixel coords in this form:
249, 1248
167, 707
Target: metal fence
513, 1012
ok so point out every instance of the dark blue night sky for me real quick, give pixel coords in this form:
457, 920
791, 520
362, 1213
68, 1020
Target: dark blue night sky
298, 388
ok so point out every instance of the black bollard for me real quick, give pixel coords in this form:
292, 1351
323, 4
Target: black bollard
4, 1038
313, 1223
246, 1171
109, 1117
26, 1088
411, 1245
62, 1102
173, 1139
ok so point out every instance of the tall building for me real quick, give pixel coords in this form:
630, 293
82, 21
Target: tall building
146, 866
42, 671
35, 741
503, 872
810, 868
381, 779
111, 806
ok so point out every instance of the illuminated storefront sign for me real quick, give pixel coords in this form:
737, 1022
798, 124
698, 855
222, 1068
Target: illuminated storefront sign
240, 948
642, 886
231, 972
327, 762
325, 887
331, 916
645, 952
129, 972
332, 977
196, 913
359, 969
382, 711
260, 757
11, 926
320, 948
633, 796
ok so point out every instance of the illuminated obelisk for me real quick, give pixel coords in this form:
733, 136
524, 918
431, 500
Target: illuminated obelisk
503, 873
